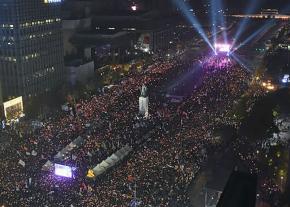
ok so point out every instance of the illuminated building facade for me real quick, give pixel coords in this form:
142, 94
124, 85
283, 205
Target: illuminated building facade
265, 14
31, 47
270, 11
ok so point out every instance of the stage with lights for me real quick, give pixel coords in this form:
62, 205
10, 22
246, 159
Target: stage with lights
222, 48
63, 171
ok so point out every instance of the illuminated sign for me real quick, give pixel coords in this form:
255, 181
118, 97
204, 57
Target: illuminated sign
52, 1
13, 109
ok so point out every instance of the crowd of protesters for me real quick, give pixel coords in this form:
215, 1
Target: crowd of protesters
161, 166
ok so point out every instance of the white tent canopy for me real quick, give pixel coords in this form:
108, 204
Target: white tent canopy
98, 170
47, 166
112, 161
65, 152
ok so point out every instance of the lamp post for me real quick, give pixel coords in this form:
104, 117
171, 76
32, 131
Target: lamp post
281, 184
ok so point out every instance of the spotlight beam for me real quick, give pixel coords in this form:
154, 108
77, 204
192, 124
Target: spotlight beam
241, 62
252, 7
185, 8
266, 26
262, 29
222, 20
268, 23
213, 19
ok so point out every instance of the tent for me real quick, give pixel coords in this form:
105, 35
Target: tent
47, 166
65, 152
110, 162
104, 164
98, 170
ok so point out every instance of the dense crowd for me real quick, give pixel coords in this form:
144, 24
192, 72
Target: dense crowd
163, 163
259, 155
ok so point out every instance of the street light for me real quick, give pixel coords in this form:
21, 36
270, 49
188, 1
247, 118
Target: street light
282, 178
134, 7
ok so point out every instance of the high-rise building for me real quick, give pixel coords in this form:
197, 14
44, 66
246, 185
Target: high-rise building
31, 47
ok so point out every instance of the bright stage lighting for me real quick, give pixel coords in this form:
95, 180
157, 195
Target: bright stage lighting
222, 48
63, 171
286, 78
134, 8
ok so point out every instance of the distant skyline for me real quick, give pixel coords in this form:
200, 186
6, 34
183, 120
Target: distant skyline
239, 6
273, 4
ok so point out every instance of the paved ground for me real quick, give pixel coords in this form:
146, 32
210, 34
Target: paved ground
212, 177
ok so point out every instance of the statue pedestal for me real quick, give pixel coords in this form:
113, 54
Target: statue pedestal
143, 105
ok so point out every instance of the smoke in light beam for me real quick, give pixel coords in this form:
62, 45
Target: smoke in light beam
260, 32
242, 25
217, 19
222, 20
213, 19
185, 9
269, 23
241, 62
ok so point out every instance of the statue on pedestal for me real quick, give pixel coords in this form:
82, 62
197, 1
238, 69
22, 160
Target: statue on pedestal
143, 101
144, 91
